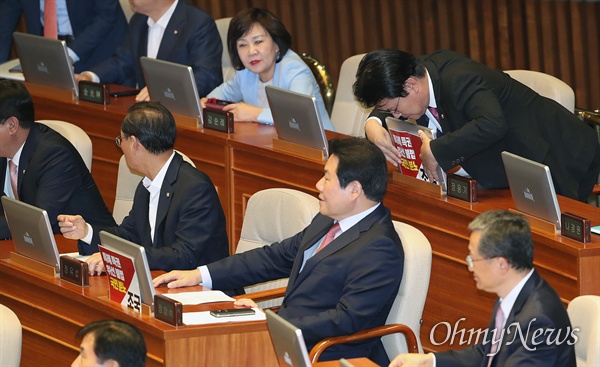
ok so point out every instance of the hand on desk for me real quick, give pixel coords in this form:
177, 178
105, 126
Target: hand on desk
95, 264
412, 359
85, 76
245, 302
143, 95
72, 227
380, 137
179, 278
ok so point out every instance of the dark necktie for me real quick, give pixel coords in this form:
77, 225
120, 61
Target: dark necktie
435, 114
329, 236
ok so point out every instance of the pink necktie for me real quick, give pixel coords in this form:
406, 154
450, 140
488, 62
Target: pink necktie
329, 236
497, 333
50, 23
434, 112
14, 175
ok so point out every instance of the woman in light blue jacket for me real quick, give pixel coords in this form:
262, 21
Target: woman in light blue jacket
259, 47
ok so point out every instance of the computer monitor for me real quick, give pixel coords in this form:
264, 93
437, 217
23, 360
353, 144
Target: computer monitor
296, 118
532, 188
288, 341
31, 232
140, 262
45, 61
173, 85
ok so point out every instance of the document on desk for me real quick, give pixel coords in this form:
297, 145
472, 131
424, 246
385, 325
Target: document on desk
204, 317
197, 298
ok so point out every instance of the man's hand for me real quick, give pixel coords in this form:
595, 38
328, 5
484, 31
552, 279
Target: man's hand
245, 302
430, 164
413, 359
85, 76
143, 95
179, 278
72, 227
380, 137
95, 264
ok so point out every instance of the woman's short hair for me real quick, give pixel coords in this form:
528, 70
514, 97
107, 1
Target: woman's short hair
244, 21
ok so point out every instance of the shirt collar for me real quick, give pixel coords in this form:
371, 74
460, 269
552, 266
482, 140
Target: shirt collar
160, 177
432, 102
166, 17
510, 299
348, 222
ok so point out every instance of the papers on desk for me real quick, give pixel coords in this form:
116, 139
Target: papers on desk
197, 298
204, 317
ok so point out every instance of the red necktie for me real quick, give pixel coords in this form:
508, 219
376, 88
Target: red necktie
329, 236
14, 175
50, 23
434, 112
496, 336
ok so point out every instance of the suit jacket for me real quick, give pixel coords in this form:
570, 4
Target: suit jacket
483, 111
291, 73
98, 27
53, 176
190, 224
538, 306
348, 286
191, 38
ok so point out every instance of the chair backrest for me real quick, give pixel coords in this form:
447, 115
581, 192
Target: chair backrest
228, 69
546, 85
584, 313
127, 181
323, 78
73, 133
410, 300
11, 336
271, 216
348, 116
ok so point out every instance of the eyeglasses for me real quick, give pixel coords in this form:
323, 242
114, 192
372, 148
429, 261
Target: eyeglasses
470, 261
118, 140
392, 112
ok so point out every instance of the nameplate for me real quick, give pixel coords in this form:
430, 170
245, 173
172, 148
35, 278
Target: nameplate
168, 310
217, 120
74, 271
462, 188
575, 227
93, 92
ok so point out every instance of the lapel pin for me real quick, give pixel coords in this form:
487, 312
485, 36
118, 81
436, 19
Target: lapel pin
175, 32
168, 194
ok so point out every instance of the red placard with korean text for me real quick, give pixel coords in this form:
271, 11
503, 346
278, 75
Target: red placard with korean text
123, 284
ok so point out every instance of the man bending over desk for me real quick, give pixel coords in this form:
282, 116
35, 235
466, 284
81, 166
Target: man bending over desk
38, 166
344, 269
176, 213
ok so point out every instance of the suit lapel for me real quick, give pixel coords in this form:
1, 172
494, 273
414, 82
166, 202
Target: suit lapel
174, 29
437, 91
27, 154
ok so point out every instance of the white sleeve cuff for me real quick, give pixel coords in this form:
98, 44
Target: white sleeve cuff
205, 274
90, 233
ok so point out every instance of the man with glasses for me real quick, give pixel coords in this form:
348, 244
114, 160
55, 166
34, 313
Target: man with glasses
176, 213
478, 112
529, 325
40, 167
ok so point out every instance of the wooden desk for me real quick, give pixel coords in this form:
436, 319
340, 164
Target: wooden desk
51, 311
243, 163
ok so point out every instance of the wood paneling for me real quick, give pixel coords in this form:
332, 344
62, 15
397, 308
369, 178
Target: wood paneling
558, 37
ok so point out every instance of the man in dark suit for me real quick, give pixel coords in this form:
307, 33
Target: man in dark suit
176, 213
480, 112
50, 173
190, 38
530, 325
96, 28
334, 289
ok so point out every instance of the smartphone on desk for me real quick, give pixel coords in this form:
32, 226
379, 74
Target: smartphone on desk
229, 312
